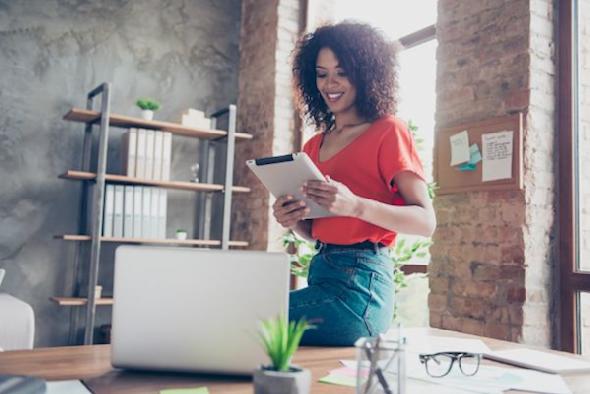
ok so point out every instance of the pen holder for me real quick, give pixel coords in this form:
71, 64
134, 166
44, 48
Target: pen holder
381, 366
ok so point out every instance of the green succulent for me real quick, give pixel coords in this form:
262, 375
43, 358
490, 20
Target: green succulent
281, 338
148, 104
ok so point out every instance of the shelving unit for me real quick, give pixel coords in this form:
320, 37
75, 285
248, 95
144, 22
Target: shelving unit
92, 233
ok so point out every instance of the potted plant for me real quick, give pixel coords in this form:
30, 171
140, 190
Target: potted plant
181, 234
280, 339
147, 106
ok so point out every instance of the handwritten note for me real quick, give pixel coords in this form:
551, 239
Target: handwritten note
459, 148
497, 155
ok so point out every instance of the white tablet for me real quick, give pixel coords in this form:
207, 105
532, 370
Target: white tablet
283, 175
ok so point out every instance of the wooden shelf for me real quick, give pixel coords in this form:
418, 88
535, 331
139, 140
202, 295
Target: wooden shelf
73, 301
87, 116
190, 186
188, 242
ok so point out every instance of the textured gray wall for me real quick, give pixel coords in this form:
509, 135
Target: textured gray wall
182, 52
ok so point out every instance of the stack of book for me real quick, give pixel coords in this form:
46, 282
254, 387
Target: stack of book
134, 212
139, 211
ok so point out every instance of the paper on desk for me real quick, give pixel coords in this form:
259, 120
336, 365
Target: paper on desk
491, 379
66, 387
340, 380
419, 341
542, 361
459, 148
189, 390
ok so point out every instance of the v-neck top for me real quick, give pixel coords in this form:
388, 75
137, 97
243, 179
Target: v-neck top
367, 166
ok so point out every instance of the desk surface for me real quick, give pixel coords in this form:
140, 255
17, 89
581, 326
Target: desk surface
92, 364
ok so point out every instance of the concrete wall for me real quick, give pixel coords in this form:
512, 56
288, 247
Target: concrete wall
184, 53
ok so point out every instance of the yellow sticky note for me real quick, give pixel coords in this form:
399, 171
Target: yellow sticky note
190, 390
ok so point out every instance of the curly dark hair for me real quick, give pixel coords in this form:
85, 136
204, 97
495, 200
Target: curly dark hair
366, 56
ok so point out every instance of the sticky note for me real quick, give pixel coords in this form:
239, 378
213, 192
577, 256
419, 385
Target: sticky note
467, 167
459, 148
190, 390
339, 380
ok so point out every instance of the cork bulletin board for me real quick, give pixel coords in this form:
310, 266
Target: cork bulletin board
455, 179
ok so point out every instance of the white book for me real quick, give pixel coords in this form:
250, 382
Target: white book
128, 150
162, 213
140, 154
137, 211
166, 156
149, 154
154, 212
128, 212
108, 211
118, 216
146, 225
158, 146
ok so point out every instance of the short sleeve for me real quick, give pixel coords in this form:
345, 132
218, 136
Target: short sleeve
397, 153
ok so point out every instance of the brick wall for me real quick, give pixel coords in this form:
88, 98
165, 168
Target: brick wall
493, 251
265, 109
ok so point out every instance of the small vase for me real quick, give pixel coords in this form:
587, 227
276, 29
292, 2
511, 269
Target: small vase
147, 114
295, 381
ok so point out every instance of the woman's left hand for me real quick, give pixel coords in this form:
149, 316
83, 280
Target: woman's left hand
333, 196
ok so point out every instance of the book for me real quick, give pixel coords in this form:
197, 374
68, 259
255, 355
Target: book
128, 150
146, 200
128, 212
137, 211
108, 211
162, 213
166, 156
154, 212
149, 154
158, 147
118, 211
140, 154
540, 360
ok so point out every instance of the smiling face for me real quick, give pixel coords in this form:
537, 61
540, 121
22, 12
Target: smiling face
332, 82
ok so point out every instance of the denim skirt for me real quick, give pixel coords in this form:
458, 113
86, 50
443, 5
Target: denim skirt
350, 294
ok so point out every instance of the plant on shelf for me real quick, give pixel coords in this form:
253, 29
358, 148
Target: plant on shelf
148, 107
280, 339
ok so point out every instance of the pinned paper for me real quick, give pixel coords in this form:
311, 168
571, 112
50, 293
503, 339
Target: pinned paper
459, 148
497, 155
191, 390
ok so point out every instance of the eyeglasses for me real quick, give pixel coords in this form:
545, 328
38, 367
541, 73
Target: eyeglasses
440, 364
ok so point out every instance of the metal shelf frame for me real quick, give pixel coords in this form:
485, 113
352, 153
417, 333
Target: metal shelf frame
203, 220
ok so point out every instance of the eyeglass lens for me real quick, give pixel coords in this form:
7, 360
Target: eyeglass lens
469, 363
439, 365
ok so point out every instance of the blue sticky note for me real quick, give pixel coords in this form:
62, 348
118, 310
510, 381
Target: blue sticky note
467, 167
474, 154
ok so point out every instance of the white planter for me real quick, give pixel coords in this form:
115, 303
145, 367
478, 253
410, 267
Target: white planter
295, 381
147, 114
181, 235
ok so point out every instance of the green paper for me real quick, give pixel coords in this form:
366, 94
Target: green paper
349, 381
190, 390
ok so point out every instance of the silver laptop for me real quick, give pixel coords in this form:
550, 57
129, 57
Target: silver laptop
194, 310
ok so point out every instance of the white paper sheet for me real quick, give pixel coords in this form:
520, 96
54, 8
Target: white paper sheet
459, 148
419, 341
66, 387
497, 155
543, 361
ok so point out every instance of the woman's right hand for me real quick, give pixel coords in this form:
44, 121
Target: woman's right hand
288, 212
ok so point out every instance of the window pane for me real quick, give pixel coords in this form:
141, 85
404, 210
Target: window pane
584, 322
583, 148
396, 19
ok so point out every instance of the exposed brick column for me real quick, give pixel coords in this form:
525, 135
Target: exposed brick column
493, 251
265, 108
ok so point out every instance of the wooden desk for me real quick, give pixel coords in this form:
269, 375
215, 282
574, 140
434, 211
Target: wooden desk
92, 364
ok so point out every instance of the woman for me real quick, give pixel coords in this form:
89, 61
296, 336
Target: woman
345, 78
